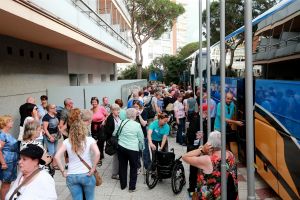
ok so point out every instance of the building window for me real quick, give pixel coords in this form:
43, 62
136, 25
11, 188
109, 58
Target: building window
150, 55
40, 56
74, 80
9, 50
103, 77
48, 56
112, 77
31, 54
90, 79
21, 52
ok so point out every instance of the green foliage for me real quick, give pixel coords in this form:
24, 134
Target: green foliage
173, 67
150, 18
188, 49
130, 73
234, 15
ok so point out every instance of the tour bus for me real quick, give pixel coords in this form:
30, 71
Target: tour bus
276, 49
277, 100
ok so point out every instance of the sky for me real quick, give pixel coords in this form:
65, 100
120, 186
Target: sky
193, 24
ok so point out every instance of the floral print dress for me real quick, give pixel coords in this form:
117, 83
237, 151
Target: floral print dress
209, 185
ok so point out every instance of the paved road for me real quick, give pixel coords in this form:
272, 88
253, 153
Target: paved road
110, 189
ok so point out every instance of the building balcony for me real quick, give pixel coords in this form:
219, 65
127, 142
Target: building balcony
71, 25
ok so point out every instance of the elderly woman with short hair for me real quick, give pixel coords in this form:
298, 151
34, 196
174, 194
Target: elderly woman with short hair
39, 186
208, 159
113, 121
8, 154
131, 141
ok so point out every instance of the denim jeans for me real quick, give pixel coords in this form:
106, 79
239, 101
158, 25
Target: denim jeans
80, 184
52, 147
146, 155
181, 129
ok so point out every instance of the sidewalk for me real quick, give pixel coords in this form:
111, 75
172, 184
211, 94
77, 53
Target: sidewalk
110, 189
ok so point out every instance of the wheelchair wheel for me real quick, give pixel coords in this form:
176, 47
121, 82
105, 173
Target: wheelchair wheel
151, 176
174, 128
178, 178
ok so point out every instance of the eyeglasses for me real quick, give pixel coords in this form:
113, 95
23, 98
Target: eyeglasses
165, 115
53, 107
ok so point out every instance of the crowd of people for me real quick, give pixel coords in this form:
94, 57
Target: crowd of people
28, 162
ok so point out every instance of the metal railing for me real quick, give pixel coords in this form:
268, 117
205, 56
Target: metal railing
277, 45
99, 21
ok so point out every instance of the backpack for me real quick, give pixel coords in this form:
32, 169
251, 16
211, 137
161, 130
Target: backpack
149, 110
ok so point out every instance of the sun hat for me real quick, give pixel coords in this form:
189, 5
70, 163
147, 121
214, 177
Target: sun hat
33, 151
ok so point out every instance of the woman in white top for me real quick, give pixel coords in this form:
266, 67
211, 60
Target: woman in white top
40, 186
180, 119
80, 179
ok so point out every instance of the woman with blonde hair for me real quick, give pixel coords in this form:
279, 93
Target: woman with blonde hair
52, 133
75, 115
80, 179
32, 130
8, 154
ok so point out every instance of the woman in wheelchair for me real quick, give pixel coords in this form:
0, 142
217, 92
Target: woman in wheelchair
208, 159
158, 132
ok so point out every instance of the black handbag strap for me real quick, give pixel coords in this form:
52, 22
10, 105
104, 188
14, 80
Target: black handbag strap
149, 103
16, 191
120, 128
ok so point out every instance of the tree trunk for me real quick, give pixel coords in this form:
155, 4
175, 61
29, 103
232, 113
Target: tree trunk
229, 67
139, 60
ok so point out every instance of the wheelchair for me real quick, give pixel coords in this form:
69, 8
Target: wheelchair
164, 166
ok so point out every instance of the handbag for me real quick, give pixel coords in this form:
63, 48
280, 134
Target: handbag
170, 107
149, 109
98, 132
96, 173
112, 144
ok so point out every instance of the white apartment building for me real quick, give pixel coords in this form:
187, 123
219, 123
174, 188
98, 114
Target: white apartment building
59, 43
170, 42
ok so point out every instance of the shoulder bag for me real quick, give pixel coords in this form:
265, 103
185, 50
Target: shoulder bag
112, 144
96, 173
149, 109
16, 191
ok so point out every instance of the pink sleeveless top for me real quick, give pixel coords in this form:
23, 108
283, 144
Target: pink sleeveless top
100, 115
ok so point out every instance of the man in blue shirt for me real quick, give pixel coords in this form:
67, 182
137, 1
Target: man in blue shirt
229, 113
135, 97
